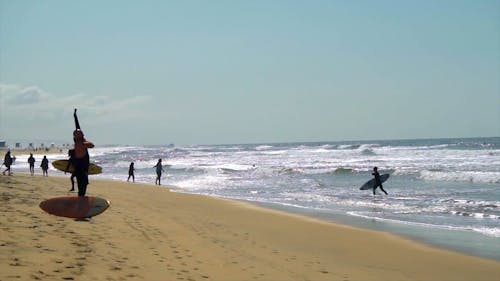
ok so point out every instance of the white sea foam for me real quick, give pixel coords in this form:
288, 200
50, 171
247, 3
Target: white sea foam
493, 232
451, 186
466, 176
263, 147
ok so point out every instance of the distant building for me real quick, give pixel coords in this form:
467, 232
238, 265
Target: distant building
18, 145
2, 144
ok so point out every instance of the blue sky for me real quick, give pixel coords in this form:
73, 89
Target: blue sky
208, 72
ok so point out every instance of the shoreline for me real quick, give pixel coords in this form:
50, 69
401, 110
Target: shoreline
150, 233
436, 237
25, 151
464, 242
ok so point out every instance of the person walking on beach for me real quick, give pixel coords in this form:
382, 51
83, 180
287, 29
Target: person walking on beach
71, 162
81, 157
131, 170
31, 161
159, 169
45, 166
7, 161
378, 181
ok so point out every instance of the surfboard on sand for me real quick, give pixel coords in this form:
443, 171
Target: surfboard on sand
371, 183
75, 207
62, 164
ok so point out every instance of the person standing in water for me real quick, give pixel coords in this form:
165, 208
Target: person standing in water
31, 161
159, 169
131, 170
378, 181
45, 166
81, 157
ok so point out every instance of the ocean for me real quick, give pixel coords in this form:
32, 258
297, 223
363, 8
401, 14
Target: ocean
444, 192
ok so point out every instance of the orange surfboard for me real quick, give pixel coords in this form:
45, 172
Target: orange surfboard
75, 207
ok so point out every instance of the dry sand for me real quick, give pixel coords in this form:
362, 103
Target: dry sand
150, 233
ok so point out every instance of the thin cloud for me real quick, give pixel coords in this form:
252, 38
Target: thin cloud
29, 95
33, 103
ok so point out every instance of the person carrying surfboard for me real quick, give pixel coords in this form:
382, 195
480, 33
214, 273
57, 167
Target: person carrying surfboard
378, 181
81, 157
71, 161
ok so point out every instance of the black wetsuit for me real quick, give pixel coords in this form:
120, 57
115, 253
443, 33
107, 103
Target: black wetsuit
7, 161
81, 167
45, 165
71, 161
82, 173
31, 161
131, 172
378, 182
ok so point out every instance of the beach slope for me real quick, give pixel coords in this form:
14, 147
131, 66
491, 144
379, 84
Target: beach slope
151, 233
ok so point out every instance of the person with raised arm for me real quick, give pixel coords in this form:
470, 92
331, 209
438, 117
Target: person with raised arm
81, 157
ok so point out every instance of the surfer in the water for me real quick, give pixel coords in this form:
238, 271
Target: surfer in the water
159, 169
81, 158
378, 181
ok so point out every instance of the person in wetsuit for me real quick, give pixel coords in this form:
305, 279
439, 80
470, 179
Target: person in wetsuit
7, 161
71, 161
378, 181
159, 169
81, 158
31, 161
131, 170
45, 166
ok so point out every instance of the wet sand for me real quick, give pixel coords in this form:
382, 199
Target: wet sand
151, 233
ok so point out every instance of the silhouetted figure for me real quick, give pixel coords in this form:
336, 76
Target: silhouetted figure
7, 161
71, 162
378, 182
45, 166
81, 159
159, 169
31, 161
131, 170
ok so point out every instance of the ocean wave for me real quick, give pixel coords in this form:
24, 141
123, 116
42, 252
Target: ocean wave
488, 231
474, 215
348, 146
368, 152
234, 168
466, 176
289, 171
479, 209
341, 170
263, 147
493, 232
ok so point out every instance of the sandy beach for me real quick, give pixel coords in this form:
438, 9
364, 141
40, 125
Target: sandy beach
151, 233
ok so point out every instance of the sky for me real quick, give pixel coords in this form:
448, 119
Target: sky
241, 71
